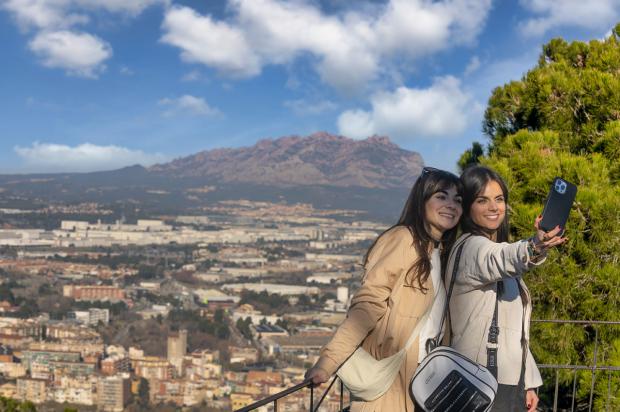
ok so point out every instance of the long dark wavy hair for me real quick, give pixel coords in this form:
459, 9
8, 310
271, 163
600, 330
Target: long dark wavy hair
474, 179
413, 218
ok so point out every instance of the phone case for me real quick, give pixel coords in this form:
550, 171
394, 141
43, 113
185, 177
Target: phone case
559, 202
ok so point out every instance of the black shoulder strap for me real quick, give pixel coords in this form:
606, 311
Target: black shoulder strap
446, 305
493, 334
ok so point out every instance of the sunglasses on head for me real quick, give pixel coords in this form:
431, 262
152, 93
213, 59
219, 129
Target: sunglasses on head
428, 169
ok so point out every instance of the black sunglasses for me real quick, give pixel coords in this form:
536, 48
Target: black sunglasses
428, 169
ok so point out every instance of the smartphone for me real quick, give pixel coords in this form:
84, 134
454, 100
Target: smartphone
558, 204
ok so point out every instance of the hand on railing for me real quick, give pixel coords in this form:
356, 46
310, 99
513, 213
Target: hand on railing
317, 375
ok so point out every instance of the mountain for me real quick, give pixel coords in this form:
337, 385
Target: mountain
319, 159
330, 172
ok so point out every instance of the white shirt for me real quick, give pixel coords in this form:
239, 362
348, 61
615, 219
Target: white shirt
431, 327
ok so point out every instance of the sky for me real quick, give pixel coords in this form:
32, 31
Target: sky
91, 85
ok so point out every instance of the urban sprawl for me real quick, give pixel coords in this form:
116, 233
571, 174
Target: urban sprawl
214, 310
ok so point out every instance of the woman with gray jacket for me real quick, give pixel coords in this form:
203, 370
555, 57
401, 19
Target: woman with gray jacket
490, 307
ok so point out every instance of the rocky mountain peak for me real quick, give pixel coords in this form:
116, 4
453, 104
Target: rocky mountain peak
318, 159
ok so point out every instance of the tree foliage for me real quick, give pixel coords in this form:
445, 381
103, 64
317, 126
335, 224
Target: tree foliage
471, 156
563, 119
143, 392
243, 326
12, 405
191, 320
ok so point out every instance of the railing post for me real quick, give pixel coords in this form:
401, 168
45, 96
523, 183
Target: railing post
555, 393
311, 398
593, 368
608, 390
572, 405
275, 405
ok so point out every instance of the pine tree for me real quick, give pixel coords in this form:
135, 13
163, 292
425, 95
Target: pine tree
563, 119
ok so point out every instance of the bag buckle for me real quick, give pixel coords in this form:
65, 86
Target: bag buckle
493, 333
430, 345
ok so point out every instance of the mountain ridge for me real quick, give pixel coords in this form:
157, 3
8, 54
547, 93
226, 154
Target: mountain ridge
317, 159
327, 171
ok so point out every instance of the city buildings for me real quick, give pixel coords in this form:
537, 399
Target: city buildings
113, 393
177, 348
285, 272
82, 292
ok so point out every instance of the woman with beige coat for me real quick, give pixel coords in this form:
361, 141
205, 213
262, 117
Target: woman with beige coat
402, 279
488, 281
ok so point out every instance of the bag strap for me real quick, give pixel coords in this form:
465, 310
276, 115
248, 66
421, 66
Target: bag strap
446, 305
524, 346
493, 329
493, 334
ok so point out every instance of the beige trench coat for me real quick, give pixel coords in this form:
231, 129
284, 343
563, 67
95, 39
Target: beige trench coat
381, 317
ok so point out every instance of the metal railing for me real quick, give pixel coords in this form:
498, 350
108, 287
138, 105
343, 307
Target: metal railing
273, 399
593, 368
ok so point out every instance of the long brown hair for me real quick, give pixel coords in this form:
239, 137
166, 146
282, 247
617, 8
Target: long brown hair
413, 218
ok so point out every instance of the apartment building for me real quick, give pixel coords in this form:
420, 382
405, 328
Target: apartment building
177, 348
91, 316
113, 393
152, 367
32, 389
81, 391
93, 292
115, 364
45, 357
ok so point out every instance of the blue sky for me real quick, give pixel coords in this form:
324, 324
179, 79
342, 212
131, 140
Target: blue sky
100, 84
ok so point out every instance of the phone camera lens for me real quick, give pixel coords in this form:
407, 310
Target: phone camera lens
560, 186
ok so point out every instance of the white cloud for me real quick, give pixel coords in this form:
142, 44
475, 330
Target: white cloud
62, 14
442, 110
188, 104
81, 54
86, 157
348, 50
57, 40
191, 76
128, 7
126, 71
550, 14
44, 14
304, 107
472, 66
357, 124
203, 40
